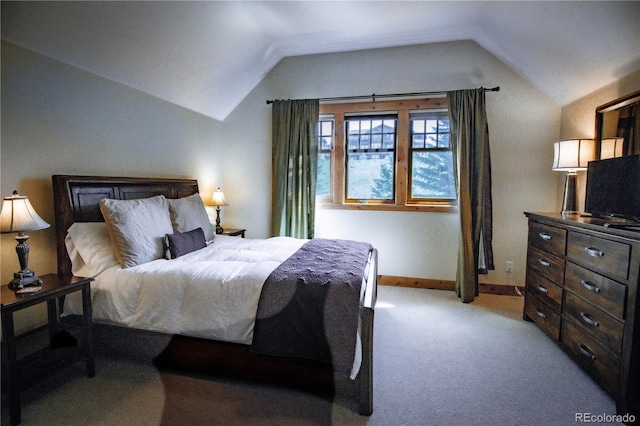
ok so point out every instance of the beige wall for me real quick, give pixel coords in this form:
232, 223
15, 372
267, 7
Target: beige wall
57, 119
579, 121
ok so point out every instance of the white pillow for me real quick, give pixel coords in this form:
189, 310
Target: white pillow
137, 228
89, 248
188, 213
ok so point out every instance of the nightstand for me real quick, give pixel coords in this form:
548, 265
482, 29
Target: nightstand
29, 357
234, 232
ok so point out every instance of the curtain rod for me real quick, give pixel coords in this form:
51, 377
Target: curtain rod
392, 95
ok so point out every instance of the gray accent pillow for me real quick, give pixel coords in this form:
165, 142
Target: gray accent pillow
137, 228
182, 243
188, 213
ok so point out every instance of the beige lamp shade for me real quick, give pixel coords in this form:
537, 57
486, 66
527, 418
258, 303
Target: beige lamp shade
611, 148
573, 154
218, 198
18, 215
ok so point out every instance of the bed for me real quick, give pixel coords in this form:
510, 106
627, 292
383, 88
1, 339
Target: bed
243, 345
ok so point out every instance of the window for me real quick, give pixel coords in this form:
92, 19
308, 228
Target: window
386, 155
371, 146
430, 157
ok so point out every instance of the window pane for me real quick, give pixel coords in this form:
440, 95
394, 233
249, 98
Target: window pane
353, 142
364, 142
418, 141
432, 175
389, 141
431, 141
370, 176
432, 126
390, 126
443, 140
327, 128
324, 172
325, 145
431, 158
376, 141
370, 158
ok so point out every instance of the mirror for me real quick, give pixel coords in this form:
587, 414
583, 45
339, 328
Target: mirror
617, 127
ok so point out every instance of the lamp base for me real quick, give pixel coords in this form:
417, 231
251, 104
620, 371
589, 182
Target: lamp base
570, 201
219, 229
24, 278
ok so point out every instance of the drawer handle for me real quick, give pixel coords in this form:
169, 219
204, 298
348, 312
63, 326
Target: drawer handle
589, 286
542, 289
586, 318
586, 352
544, 263
541, 314
544, 236
593, 252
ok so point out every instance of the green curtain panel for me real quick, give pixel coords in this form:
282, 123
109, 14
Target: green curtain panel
294, 167
472, 164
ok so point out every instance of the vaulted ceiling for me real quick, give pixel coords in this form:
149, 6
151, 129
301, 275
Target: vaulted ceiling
208, 55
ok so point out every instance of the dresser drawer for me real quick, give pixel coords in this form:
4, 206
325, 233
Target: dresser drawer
594, 322
604, 293
546, 264
548, 238
606, 255
545, 290
543, 316
602, 366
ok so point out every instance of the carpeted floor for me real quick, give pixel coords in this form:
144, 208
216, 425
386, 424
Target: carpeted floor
436, 362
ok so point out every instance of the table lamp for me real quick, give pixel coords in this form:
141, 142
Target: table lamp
219, 200
19, 216
570, 156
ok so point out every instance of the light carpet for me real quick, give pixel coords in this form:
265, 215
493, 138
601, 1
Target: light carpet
436, 362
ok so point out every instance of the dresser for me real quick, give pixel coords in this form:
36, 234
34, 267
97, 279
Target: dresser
582, 290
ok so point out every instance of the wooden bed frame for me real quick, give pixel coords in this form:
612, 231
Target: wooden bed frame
76, 199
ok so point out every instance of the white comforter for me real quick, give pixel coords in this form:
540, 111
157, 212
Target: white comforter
212, 293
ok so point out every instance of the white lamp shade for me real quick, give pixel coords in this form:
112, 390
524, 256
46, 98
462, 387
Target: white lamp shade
218, 198
18, 215
573, 154
611, 148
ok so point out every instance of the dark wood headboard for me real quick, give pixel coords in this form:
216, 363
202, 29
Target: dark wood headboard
77, 198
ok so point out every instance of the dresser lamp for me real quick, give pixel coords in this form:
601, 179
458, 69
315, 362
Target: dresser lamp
19, 216
571, 156
611, 148
219, 200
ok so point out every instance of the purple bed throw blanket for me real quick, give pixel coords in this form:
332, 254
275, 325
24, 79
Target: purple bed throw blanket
309, 305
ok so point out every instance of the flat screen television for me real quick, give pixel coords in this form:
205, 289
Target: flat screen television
613, 188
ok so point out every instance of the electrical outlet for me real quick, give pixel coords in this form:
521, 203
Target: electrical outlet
509, 268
